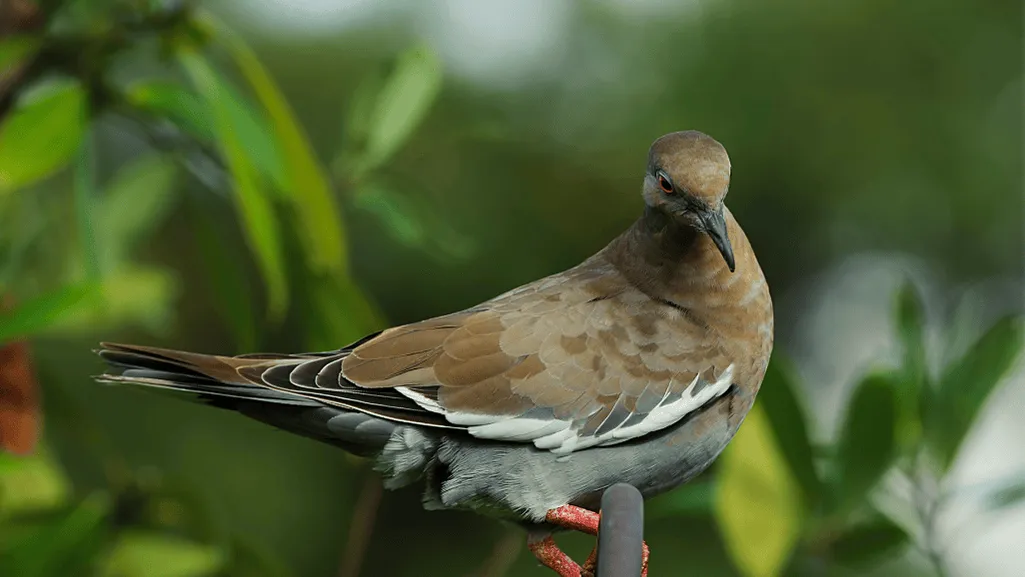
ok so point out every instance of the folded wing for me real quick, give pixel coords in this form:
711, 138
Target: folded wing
562, 365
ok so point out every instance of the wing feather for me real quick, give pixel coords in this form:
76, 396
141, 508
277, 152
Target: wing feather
563, 363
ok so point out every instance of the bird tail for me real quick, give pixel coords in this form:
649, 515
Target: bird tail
218, 381
207, 377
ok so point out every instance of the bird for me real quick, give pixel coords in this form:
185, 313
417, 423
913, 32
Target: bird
636, 366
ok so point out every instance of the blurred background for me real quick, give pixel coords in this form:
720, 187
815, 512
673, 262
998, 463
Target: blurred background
288, 175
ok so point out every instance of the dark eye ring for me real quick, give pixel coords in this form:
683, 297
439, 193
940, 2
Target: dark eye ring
664, 183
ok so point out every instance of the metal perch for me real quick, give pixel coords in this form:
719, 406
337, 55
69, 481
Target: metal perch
621, 532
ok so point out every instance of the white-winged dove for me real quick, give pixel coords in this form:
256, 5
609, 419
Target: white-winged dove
636, 366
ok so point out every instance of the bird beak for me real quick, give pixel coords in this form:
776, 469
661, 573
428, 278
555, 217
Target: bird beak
715, 227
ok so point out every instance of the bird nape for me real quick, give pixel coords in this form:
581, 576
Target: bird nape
636, 366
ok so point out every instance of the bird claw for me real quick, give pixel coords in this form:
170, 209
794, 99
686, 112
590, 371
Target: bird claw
543, 546
590, 567
548, 553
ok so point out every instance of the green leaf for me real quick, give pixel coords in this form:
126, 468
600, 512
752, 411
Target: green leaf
254, 205
758, 502
869, 542
31, 483
42, 312
190, 114
14, 50
41, 134
261, 144
778, 396
128, 295
360, 111
911, 330
138, 197
867, 444
320, 225
147, 554
412, 221
399, 218
966, 385
85, 200
184, 108
910, 319
64, 546
401, 105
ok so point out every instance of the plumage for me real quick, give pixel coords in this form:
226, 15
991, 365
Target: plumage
637, 365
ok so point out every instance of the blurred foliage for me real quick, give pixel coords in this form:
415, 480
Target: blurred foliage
138, 132
837, 520
42, 134
757, 500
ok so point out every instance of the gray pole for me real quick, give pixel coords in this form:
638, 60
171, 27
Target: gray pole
621, 532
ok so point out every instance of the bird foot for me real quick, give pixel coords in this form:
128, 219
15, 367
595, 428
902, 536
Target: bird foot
574, 518
549, 554
590, 567
543, 546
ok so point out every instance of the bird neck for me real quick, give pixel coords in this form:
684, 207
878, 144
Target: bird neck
663, 237
664, 257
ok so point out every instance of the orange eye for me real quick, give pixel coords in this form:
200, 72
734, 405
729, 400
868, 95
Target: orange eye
664, 183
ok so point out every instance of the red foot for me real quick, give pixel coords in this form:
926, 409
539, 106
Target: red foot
585, 521
549, 554
575, 518
590, 568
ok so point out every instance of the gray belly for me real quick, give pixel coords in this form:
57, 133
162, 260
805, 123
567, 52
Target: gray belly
520, 482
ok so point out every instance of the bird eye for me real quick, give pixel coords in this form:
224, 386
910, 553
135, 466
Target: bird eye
664, 183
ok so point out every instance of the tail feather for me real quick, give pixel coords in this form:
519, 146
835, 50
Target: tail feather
214, 367
215, 381
360, 421
202, 389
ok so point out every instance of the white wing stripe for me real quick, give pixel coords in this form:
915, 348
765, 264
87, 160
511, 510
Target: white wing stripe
562, 436
424, 401
669, 413
519, 429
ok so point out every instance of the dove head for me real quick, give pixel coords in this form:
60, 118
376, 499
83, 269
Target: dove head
687, 179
